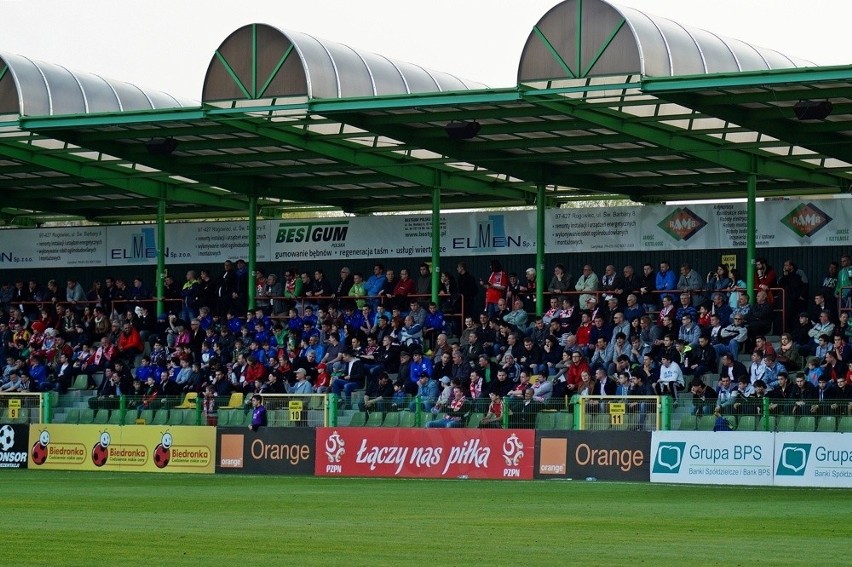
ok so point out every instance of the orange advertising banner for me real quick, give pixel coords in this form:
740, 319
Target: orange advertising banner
179, 449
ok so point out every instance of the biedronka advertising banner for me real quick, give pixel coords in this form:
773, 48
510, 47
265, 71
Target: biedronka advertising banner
180, 449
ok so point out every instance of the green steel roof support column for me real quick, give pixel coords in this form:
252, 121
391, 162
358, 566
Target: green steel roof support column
252, 249
161, 254
751, 235
436, 242
539, 251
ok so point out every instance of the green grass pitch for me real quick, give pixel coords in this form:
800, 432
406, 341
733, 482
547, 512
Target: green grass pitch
68, 518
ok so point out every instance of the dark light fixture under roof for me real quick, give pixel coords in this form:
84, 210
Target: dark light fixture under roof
462, 129
812, 109
161, 146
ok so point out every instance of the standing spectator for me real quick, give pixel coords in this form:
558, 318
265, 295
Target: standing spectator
467, 289
665, 280
587, 282
690, 280
647, 286
258, 413
495, 287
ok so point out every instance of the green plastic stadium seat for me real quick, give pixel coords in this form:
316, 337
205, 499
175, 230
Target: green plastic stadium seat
597, 422
176, 417
827, 423
87, 416
79, 382
391, 420
747, 423
563, 420
806, 424
358, 419
161, 417
73, 416
375, 419
845, 424
114, 417
147, 415
474, 419
316, 402
406, 418
688, 423
786, 423
545, 420
706, 422
101, 417
278, 418
239, 418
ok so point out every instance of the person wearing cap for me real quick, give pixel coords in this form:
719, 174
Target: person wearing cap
419, 365
445, 394
301, 386
735, 334
428, 390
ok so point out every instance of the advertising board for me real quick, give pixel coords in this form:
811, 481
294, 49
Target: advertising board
278, 450
428, 453
706, 457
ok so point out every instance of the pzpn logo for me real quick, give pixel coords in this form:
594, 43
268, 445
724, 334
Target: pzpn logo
682, 224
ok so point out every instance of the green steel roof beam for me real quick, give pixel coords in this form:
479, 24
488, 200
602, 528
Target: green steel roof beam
711, 150
758, 79
109, 175
461, 151
791, 131
387, 164
110, 119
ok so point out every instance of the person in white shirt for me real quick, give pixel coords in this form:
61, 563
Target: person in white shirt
671, 378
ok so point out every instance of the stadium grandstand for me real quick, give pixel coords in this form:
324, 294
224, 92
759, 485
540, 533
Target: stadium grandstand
366, 242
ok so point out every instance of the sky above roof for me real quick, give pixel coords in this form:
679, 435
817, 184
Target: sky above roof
167, 44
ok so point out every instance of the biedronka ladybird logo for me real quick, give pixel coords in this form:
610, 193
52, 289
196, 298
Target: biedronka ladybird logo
123, 448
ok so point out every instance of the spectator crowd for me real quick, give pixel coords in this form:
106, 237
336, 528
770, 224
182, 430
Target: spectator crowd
652, 331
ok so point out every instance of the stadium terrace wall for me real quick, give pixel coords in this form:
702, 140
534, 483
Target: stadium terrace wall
821, 460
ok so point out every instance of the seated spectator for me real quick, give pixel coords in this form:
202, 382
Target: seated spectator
493, 419
456, 411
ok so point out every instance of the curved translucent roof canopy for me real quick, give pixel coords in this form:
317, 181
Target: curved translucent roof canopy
593, 38
260, 61
35, 88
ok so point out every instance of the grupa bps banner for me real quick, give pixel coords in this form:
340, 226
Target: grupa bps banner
179, 449
707, 457
427, 453
813, 459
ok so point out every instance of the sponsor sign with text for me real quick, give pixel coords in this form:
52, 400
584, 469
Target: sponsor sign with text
13, 446
602, 455
279, 450
427, 453
706, 457
813, 459
178, 449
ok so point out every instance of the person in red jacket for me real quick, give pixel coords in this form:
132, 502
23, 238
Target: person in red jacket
404, 287
495, 287
255, 371
129, 343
